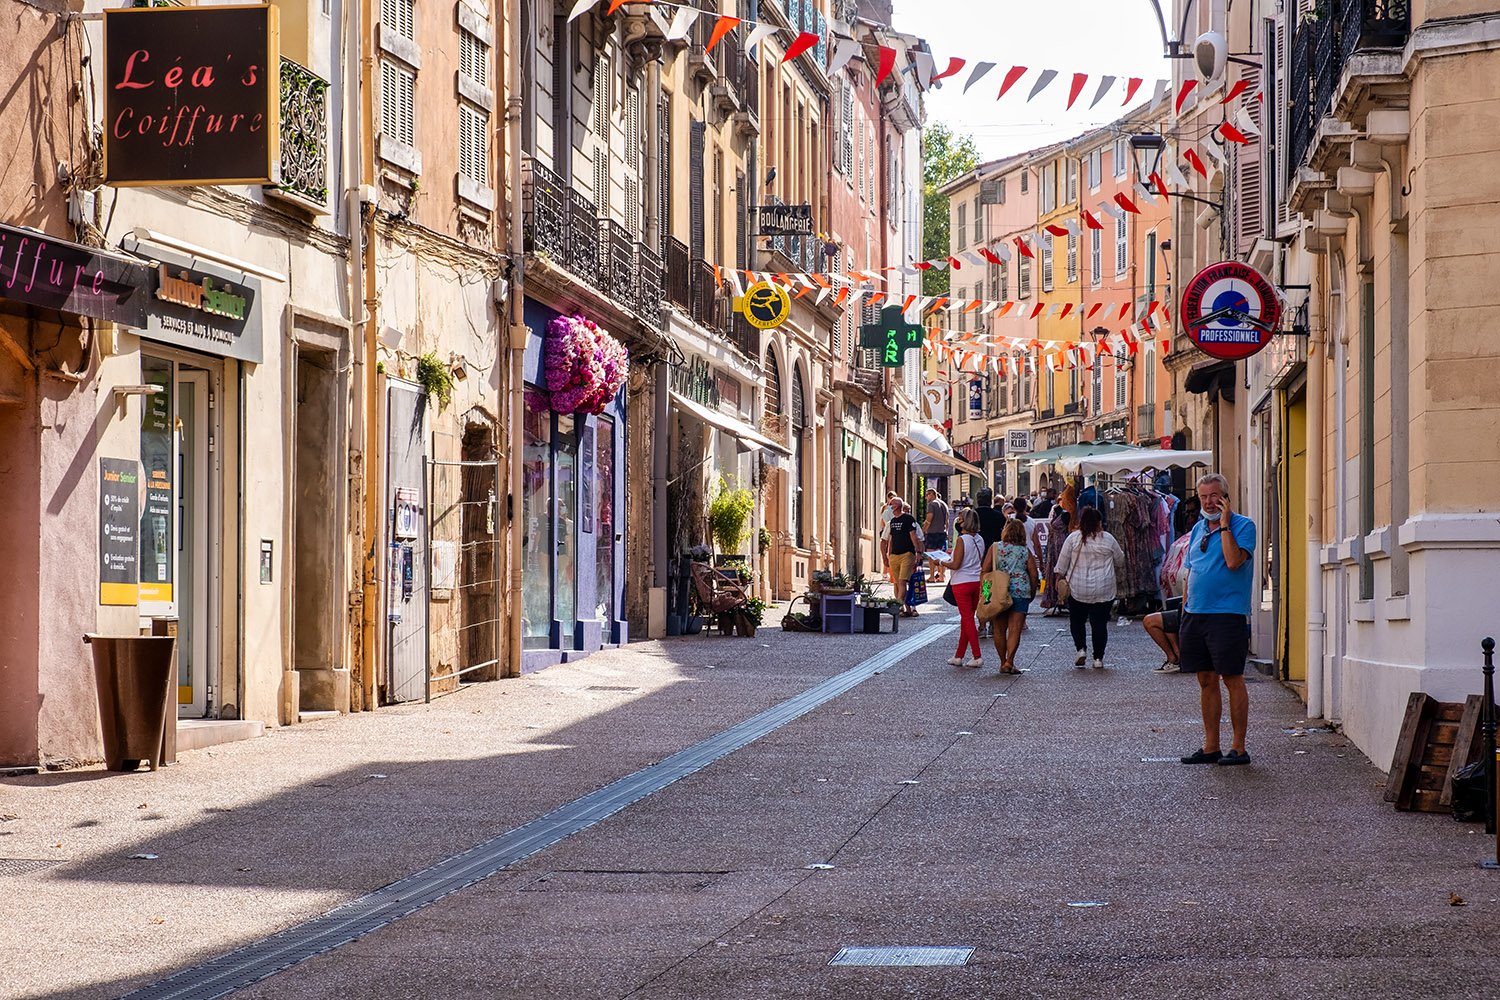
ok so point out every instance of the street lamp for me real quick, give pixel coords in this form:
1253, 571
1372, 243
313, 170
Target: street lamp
1146, 150
1173, 47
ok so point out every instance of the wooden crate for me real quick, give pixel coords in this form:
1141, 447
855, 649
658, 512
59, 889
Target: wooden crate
1437, 739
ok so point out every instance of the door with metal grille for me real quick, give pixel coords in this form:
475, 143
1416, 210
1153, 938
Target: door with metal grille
464, 542
406, 577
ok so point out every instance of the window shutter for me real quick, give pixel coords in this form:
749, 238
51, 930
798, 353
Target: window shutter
1004, 292
1023, 278
1047, 266
1096, 398
961, 228
848, 129
741, 221
822, 48
696, 133
633, 129
1278, 98
978, 220
1250, 218
1096, 257
1072, 258
1122, 246
664, 170
633, 206
1120, 386
601, 96
601, 181
565, 37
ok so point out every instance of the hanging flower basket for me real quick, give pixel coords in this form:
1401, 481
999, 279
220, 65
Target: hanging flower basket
583, 367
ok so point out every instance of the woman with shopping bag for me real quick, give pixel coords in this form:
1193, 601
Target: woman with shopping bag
1011, 556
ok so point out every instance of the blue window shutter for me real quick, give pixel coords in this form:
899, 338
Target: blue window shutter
822, 39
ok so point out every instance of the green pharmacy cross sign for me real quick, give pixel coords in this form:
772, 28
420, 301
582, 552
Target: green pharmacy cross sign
892, 336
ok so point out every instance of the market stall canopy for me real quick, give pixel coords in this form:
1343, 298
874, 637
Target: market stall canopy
1052, 455
1134, 460
748, 436
935, 455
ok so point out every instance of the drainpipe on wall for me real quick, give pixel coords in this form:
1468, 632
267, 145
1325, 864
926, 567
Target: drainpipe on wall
514, 107
1316, 626
362, 303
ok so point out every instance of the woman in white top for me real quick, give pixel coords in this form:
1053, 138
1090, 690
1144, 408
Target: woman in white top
968, 550
1089, 560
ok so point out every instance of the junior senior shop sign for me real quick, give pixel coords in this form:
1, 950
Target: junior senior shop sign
205, 310
191, 95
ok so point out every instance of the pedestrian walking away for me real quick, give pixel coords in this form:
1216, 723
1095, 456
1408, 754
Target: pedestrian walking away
1011, 555
935, 528
886, 513
1089, 560
968, 552
1214, 638
906, 545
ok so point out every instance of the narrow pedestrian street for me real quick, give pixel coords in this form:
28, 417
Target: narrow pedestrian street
1042, 821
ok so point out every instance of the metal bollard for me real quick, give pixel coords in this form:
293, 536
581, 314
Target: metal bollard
1487, 728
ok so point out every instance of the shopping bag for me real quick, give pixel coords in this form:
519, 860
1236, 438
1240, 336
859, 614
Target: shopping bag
994, 595
1174, 568
916, 587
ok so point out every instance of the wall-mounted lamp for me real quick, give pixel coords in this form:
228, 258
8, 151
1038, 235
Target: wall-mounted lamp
1146, 150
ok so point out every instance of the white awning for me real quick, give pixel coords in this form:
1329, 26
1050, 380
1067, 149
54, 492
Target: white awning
942, 464
748, 436
1135, 460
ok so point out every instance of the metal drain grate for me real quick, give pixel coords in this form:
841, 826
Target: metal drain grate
608, 687
899, 955
13, 867
358, 917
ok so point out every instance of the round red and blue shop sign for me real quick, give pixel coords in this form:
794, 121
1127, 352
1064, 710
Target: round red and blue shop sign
1230, 310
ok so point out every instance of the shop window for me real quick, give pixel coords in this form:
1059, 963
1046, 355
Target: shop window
536, 531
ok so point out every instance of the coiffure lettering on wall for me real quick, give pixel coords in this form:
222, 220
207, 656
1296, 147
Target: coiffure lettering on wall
191, 95
38, 270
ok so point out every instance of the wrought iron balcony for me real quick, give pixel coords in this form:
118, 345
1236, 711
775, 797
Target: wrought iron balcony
1321, 49
563, 226
304, 135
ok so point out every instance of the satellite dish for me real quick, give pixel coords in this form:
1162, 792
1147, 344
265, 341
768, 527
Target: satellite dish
1210, 53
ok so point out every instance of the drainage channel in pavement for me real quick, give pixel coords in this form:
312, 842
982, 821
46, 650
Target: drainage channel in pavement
262, 959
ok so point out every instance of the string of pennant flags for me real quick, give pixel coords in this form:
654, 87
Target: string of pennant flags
1021, 355
843, 48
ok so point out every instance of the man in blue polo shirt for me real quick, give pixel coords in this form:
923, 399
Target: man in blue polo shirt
1214, 638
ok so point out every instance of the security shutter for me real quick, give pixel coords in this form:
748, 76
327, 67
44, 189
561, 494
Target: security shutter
696, 131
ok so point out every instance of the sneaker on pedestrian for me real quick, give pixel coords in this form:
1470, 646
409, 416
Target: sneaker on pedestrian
1167, 667
1098, 663
1235, 757
955, 661
1205, 757
976, 664
1078, 660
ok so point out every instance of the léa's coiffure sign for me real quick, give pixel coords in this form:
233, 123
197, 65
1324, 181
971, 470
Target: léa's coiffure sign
191, 95
39, 270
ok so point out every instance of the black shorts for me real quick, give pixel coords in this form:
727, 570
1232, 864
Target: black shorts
1220, 643
936, 542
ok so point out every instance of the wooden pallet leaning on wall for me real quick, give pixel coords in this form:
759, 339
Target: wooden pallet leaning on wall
1437, 739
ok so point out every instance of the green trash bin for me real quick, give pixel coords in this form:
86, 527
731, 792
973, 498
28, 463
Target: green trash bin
133, 676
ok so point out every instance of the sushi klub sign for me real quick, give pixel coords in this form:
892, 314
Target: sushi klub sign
192, 95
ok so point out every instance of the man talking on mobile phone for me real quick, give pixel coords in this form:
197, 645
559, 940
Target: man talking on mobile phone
1214, 638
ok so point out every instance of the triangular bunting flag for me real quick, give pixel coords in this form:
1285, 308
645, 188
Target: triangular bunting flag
804, 41
979, 70
1182, 95
1161, 185
722, 27
1239, 88
1090, 221
1104, 86
846, 49
925, 66
758, 34
1076, 88
1194, 162
579, 8
1048, 75
1131, 86
682, 23
954, 65
1231, 133
1011, 76
887, 62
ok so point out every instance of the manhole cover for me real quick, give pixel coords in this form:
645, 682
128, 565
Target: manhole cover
893, 955
11, 867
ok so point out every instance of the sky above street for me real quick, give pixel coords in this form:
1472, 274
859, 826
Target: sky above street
1115, 37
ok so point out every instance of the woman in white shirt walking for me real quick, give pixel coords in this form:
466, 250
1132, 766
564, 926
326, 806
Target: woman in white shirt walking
1089, 560
968, 550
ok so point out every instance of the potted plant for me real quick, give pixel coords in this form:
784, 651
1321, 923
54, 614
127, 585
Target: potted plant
728, 515
752, 615
700, 553
740, 569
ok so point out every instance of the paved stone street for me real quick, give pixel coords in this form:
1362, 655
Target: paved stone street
1032, 819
